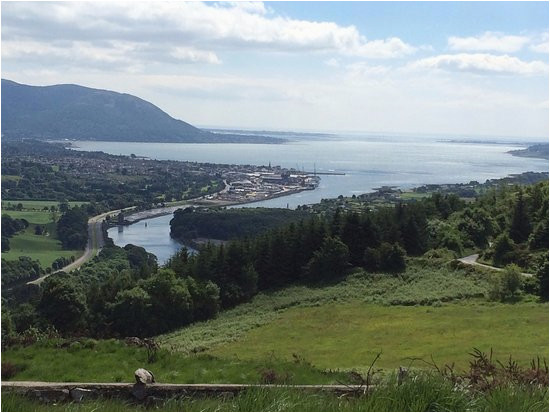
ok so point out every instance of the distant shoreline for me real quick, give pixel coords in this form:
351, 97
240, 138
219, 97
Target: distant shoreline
196, 202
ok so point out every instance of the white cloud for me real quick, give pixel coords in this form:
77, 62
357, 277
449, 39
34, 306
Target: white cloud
205, 27
332, 62
366, 69
190, 55
482, 64
488, 41
541, 47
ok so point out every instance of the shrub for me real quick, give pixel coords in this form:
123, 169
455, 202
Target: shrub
503, 246
10, 369
506, 285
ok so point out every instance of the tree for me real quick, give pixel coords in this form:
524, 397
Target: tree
520, 226
511, 280
63, 303
351, 235
329, 262
413, 240
502, 249
541, 275
507, 284
131, 312
392, 257
8, 328
171, 304
372, 259
5, 244
539, 237
206, 299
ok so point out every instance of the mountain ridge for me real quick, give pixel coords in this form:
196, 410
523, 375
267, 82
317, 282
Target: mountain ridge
74, 112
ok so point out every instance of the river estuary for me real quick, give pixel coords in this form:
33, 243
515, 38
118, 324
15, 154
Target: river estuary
367, 162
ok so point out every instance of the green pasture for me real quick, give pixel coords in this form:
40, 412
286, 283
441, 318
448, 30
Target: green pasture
345, 336
35, 205
426, 311
34, 217
414, 195
44, 248
110, 361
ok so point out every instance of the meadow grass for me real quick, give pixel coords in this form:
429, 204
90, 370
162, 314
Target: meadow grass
44, 248
415, 195
34, 217
346, 336
418, 285
113, 361
427, 392
423, 312
38, 205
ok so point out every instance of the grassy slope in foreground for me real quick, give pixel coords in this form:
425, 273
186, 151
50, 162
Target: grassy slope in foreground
344, 325
349, 336
427, 393
112, 361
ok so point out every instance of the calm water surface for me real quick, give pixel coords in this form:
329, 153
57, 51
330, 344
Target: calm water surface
368, 163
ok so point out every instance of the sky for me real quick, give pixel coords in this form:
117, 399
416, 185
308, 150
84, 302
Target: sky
446, 68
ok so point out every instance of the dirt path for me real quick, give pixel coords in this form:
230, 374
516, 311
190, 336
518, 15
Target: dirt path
472, 260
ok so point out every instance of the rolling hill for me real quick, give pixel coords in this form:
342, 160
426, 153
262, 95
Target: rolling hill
81, 113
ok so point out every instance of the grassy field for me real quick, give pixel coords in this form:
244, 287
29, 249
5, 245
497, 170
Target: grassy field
34, 217
38, 205
426, 393
113, 361
417, 286
415, 195
346, 336
424, 312
44, 248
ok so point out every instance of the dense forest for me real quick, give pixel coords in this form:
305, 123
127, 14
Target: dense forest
225, 224
123, 292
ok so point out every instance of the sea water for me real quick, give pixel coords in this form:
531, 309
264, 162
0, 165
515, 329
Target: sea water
367, 162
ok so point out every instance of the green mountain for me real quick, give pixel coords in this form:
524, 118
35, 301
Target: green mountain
81, 113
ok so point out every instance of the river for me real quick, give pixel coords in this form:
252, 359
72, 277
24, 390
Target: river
368, 162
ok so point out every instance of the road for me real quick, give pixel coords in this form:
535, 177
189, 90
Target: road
95, 244
472, 260
95, 235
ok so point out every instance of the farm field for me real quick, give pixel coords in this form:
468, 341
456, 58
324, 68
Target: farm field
352, 334
424, 312
44, 248
39, 205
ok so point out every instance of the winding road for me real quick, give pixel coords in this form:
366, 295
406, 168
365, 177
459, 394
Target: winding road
95, 235
95, 244
472, 260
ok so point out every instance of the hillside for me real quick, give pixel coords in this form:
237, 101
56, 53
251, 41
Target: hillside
82, 113
539, 150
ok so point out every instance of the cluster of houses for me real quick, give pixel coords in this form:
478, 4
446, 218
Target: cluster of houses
249, 186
